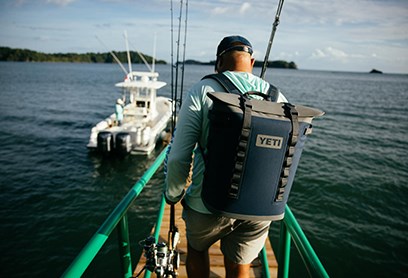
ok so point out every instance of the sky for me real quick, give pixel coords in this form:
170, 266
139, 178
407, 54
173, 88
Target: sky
335, 35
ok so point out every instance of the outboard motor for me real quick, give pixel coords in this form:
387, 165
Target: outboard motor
123, 145
146, 135
105, 142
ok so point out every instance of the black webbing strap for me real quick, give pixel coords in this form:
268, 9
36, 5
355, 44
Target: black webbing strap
273, 93
226, 83
292, 114
246, 106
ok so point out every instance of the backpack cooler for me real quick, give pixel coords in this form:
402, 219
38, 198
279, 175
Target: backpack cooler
253, 151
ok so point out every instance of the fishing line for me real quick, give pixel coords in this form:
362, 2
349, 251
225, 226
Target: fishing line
274, 27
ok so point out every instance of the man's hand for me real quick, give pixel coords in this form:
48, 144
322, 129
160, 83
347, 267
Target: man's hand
173, 201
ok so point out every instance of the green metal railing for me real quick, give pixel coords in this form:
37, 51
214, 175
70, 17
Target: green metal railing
290, 229
117, 218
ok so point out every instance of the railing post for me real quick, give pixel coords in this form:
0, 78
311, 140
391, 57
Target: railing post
265, 264
308, 255
156, 235
159, 219
284, 251
124, 247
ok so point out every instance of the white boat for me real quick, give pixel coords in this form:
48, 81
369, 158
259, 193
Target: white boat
145, 117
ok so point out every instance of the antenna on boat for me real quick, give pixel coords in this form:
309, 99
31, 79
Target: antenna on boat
128, 52
142, 57
154, 52
274, 27
114, 56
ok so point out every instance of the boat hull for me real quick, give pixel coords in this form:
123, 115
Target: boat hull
138, 132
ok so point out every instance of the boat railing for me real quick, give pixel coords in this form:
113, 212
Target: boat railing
144, 73
290, 230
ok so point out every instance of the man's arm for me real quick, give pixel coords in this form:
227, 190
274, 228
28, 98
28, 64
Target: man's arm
186, 135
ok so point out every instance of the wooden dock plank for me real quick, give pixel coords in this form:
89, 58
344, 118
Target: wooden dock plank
216, 257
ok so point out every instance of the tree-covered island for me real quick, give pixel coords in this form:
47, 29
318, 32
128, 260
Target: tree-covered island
26, 55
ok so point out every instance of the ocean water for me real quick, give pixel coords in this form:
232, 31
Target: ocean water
350, 194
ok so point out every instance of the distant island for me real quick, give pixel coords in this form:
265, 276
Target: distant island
25, 55
271, 64
375, 71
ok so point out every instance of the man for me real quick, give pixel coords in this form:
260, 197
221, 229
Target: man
241, 241
119, 111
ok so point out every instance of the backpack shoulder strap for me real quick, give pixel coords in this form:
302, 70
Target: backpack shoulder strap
224, 81
229, 87
273, 92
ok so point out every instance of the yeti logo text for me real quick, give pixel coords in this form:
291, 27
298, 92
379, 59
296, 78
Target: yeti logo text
266, 141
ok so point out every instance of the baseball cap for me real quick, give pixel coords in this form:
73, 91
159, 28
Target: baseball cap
234, 43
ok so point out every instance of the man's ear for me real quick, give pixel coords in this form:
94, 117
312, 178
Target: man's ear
252, 61
219, 64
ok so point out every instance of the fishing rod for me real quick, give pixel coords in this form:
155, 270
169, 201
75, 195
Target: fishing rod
178, 46
176, 99
173, 115
184, 55
173, 234
177, 96
274, 27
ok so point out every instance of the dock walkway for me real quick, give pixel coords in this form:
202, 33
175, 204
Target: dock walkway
216, 257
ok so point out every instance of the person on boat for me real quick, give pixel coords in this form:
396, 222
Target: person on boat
119, 111
241, 241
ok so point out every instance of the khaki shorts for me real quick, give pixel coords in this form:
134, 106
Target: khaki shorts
241, 240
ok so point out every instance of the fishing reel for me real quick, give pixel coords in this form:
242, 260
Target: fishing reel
160, 259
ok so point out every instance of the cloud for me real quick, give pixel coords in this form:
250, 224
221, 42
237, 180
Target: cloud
60, 2
220, 10
244, 7
334, 54
224, 9
106, 25
43, 28
331, 54
318, 53
42, 38
288, 55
